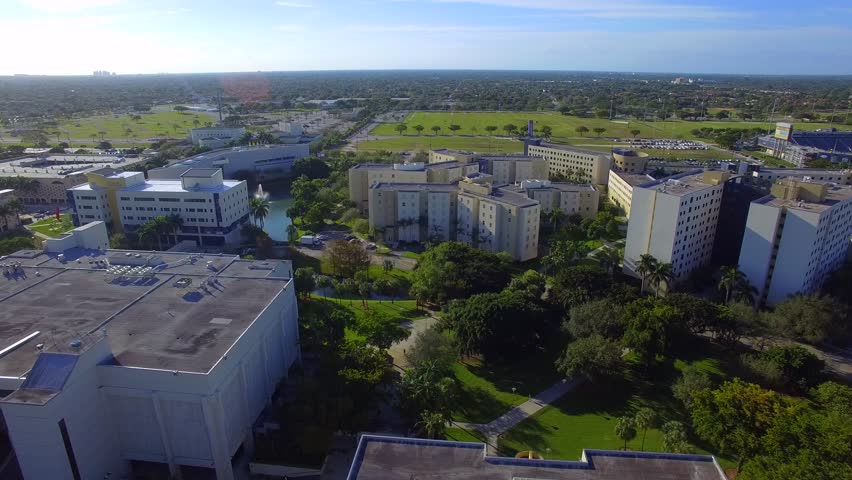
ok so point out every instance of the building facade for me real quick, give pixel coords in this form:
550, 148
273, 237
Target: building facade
674, 220
215, 137
629, 161
591, 165
259, 163
795, 237
620, 188
568, 198
441, 155
212, 209
514, 168
8, 221
139, 359
414, 212
365, 175
45, 178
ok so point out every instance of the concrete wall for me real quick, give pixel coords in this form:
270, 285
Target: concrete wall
758, 245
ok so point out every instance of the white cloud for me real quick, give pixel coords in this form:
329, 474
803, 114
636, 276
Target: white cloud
290, 4
291, 27
54, 6
613, 9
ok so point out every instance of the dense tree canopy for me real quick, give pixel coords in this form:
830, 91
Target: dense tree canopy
454, 270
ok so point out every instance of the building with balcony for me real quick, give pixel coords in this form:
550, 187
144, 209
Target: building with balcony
591, 165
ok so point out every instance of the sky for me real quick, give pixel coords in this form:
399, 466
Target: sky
69, 37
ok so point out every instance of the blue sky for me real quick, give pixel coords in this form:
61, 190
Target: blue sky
722, 36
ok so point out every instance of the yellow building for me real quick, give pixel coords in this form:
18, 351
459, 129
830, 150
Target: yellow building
569, 198
629, 161
448, 155
515, 168
620, 188
592, 166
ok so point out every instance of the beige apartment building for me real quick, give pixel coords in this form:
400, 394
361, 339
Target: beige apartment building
441, 155
592, 165
569, 198
515, 168
629, 161
365, 175
414, 212
619, 188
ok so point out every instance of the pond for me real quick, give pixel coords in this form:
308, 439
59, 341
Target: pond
276, 223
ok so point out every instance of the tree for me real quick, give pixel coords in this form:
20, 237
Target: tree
593, 358
579, 284
292, 234
454, 128
565, 253
660, 275
381, 329
610, 259
735, 417
491, 129
419, 128
647, 264
674, 437
434, 423
509, 128
119, 241
345, 258
691, 381
733, 280
582, 130
401, 128
599, 130
436, 129
454, 270
387, 265
635, 132
810, 318
175, 223
649, 329
625, 429
546, 131
598, 317
791, 368
259, 209
431, 345
265, 138
644, 419
305, 281
311, 167
530, 283
146, 233
427, 387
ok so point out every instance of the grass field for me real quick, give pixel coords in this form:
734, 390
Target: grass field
429, 142
169, 123
585, 418
474, 123
52, 227
486, 390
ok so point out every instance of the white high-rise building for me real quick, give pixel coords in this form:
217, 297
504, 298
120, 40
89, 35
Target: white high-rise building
674, 220
796, 237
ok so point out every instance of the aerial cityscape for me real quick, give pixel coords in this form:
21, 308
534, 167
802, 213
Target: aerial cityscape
425, 239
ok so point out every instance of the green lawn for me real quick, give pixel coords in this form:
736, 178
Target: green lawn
474, 123
405, 310
429, 142
52, 227
585, 418
462, 435
115, 126
486, 390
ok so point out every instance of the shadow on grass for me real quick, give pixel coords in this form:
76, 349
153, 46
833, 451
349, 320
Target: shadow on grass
478, 405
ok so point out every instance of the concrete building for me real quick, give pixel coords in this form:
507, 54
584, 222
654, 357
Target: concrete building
795, 237
213, 210
365, 175
414, 212
116, 361
215, 137
399, 458
674, 220
514, 168
620, 188
568, 198
591, 165
441, 155
770, 175
259, 163
8, 221
629, 161
497, 220
91, 236
51, 175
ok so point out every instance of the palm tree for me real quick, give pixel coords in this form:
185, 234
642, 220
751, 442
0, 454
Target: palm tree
259, 209
582, 129
433, 423
662, 274
162, 226
647, 264
610, 259
645, 418
625, 429
146, 232
419, 128
734, 281
5, 212
175, 221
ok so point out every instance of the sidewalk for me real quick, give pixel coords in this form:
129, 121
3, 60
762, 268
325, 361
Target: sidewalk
493, 429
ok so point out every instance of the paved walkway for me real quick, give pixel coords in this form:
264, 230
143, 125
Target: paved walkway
493, 429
